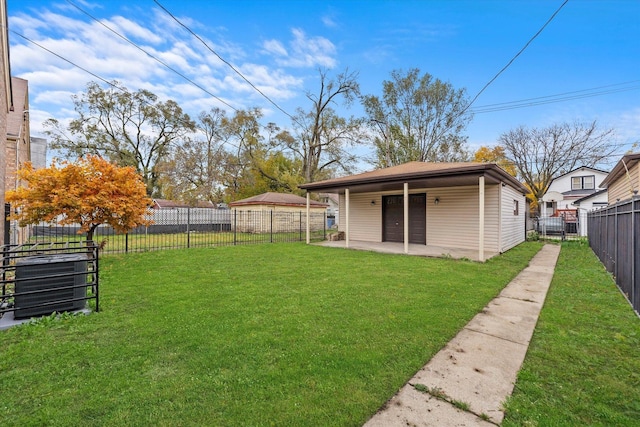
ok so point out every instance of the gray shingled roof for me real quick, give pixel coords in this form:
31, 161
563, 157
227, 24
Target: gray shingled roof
418, 171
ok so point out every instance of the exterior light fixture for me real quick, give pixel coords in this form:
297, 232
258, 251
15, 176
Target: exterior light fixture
436, 201
373, 202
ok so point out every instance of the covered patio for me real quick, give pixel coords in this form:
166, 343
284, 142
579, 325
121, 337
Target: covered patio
458, 210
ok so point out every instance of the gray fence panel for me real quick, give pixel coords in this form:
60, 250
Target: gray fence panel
615, 239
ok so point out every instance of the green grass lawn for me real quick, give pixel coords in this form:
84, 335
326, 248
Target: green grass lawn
583, 364
273, 334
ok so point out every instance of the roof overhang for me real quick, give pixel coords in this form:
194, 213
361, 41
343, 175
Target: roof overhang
627, 162
312, 204
452, 177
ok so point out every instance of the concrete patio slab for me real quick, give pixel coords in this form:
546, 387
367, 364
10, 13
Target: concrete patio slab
414, 249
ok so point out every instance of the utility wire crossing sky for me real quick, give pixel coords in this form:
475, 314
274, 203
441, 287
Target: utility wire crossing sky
565, 61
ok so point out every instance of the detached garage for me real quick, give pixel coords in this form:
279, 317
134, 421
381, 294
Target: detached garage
471, 206
276, 212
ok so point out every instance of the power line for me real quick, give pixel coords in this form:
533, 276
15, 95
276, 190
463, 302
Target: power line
110, 83
549, 99
222, 59
514, 58
152, 56
69, 61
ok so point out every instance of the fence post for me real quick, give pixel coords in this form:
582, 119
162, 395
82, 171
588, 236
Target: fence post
271, 226
633, 253
96, 252
615, 244
300, 231
324, 225
235, 225
126, 243
188, 223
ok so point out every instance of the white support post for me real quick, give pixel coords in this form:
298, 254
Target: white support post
481, 219
346, 218
308, 226
406, 217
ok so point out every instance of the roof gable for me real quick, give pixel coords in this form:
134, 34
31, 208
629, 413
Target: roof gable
600, 171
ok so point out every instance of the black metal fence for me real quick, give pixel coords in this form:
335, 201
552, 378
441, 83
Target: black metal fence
615, 239
195, 227
39, 279
559, 227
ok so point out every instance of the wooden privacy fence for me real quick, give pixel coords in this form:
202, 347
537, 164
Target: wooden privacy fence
614, 236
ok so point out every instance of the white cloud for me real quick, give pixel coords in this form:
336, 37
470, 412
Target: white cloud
272, 83
129, 28
627, 126
303, 51
275, 47
52, 80
54, 97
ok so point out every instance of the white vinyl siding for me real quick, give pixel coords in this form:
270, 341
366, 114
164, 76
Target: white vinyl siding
512, 225
365, 218
452, 223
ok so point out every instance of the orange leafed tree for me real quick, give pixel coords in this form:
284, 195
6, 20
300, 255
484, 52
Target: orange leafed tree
495, 155
89, 192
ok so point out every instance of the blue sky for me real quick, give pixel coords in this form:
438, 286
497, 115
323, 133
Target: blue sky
590, 46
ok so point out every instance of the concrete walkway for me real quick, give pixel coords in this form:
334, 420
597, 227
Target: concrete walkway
480, 365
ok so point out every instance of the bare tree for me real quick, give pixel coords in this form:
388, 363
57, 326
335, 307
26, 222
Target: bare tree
195, 169
322, 137
419, 118
540, 155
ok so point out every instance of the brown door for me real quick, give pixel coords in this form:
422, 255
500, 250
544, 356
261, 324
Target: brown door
393, 218
418, 218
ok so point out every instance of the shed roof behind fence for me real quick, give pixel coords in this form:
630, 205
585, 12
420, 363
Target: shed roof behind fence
278, 199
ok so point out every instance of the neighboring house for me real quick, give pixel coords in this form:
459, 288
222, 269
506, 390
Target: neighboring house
623, 182
476, 206
572, 195
275, 212
6, 105
571, 186
593, 201
18, 146
333, 211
